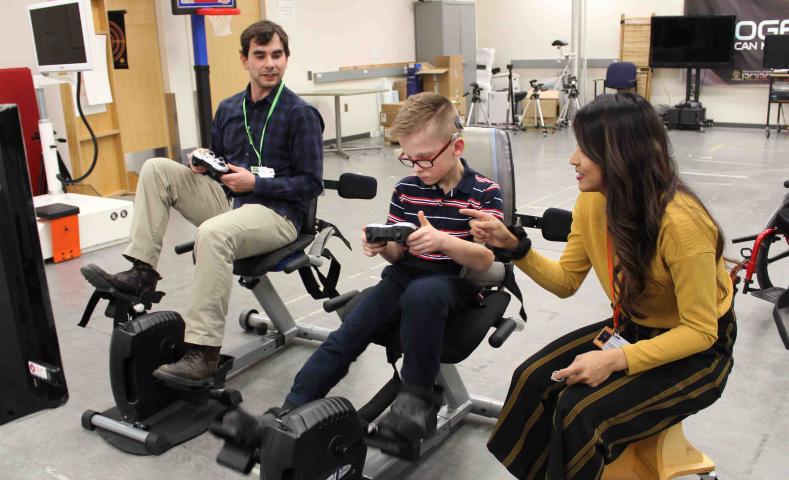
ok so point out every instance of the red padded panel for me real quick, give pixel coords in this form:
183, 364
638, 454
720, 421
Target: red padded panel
16, 86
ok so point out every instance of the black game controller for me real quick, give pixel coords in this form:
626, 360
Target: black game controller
215, 166
397, 232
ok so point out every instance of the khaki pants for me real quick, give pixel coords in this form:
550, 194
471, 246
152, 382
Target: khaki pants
223, 234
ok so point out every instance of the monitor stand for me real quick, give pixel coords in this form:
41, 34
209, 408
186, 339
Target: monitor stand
689, 114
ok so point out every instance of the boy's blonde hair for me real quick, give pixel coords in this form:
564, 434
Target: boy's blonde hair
426, 111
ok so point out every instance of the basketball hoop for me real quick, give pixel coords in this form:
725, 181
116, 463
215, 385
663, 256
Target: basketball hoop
219, 18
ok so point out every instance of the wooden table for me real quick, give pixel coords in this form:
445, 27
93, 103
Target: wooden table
337, 93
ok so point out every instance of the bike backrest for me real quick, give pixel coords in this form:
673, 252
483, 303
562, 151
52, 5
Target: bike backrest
489, 152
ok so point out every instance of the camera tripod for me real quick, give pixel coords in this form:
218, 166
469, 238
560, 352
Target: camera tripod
571, 104
476, 101
539, 120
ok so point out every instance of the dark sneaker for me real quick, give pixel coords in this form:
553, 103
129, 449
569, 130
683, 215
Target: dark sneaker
197, 368
137, 280
414, 413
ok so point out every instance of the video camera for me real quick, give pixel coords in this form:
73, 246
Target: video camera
539, 87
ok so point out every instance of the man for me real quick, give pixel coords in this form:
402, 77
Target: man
422, 288
272, 142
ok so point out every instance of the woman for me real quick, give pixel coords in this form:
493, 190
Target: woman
667, 350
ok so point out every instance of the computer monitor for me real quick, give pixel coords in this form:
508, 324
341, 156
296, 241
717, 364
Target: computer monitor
62, 35
776, 52
701, 41
31, 372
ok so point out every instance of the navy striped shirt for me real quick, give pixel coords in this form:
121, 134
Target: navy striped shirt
443, 210
293, 147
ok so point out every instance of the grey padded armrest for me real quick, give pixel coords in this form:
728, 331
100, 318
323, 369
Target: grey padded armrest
491, 278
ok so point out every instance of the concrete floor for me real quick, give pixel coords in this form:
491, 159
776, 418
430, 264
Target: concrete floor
738, 173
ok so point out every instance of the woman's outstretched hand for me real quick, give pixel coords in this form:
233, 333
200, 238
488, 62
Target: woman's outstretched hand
485, 228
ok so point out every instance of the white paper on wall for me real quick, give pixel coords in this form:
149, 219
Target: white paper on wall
95, 91
287, 8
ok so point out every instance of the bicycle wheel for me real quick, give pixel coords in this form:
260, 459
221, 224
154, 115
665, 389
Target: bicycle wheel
770, 270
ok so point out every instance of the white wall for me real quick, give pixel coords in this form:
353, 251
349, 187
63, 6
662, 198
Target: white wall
324, 35
177, 61
328, 34
16, 41
524, 29
16, 50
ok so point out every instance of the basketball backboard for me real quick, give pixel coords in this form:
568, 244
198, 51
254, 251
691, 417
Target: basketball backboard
186, 7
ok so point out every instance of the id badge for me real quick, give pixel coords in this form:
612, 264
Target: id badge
263, 172
608, 339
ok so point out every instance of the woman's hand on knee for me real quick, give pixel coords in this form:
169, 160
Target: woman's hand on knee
594, 368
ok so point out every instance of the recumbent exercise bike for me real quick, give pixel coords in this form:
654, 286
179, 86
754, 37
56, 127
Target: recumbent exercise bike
329, 438
151, 416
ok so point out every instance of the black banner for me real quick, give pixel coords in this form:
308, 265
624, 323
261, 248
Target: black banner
755, 19
118, 38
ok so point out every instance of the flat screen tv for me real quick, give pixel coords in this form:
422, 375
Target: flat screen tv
776, 52
702, 41
31, 372
62, 35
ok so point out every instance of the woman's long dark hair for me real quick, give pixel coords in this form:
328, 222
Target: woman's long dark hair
624, 135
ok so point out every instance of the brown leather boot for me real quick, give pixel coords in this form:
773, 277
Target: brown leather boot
196, 368
135, 281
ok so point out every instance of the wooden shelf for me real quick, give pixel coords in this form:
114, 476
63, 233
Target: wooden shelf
634, 47
108, 133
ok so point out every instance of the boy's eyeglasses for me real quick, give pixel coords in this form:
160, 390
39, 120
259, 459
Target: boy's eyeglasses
409, 162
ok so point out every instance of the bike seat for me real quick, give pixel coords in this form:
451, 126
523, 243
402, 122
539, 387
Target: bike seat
275, 261
559, 43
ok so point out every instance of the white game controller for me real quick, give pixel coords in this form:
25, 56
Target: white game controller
215, 166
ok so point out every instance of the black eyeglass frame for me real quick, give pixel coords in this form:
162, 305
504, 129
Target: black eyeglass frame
409, 162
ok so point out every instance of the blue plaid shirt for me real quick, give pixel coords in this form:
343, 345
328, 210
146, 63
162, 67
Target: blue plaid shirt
442, 210
293, 147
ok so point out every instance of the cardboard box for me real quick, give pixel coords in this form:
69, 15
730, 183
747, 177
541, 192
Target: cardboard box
400, 87
388, 139
389, 112
444, 76
549, 103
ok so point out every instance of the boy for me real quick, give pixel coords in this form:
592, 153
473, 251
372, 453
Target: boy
422, 287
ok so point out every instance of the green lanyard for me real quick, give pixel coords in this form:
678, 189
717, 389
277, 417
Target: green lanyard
259, 151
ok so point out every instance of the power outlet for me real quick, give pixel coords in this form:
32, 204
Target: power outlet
346, 107
309, 75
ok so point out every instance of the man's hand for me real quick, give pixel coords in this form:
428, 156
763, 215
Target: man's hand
487, 229
198, 170
426, 239
594, 368
372, 249
239, 180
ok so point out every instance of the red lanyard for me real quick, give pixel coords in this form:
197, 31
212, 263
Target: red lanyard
617, 307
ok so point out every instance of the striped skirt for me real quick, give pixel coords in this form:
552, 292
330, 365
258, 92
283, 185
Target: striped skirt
548, 430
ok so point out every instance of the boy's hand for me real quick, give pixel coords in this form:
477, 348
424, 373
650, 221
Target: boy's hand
486, 228
372, 249
426, 239
240, 180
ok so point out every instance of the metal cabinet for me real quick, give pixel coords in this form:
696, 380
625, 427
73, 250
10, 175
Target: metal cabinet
447, 28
